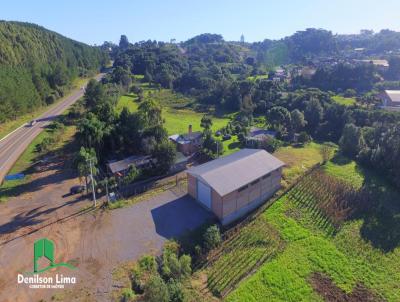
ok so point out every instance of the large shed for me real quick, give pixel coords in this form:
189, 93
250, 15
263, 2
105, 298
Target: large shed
234, 185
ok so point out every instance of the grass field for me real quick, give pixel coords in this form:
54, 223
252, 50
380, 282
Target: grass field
298, 160
178, 120
351, 258
254, 78
343, 100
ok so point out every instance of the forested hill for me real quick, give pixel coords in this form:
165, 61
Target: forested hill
36, 65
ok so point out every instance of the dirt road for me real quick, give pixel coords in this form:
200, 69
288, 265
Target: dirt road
94, 241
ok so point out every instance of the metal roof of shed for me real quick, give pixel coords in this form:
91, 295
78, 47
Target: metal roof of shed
126, 163
229, 173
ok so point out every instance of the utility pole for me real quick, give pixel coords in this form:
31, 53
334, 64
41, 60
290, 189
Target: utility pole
92, 181
108, 196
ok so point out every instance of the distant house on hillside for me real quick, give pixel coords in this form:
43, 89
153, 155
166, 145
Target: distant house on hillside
234, 185
391, 100
257, 135
188, 143
307, 72
279, 75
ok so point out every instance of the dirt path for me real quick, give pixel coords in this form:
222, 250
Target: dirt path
93, 241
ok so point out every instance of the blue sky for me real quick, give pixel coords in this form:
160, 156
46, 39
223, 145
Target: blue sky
93, 21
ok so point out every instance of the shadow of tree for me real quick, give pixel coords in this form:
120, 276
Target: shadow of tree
381, 219
340, 160
234, 145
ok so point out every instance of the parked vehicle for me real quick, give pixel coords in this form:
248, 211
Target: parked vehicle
76, 189
226, 137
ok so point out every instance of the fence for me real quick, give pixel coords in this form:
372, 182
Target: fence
169, 181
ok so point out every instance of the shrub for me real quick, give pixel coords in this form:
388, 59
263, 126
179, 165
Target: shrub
156, 290
212, 237
132, 175
127, 295
148, 263
176, 293
185, 263
270, 145
50, 99
303, 138
45, 145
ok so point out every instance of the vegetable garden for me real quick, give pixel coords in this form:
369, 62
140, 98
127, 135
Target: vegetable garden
240, 255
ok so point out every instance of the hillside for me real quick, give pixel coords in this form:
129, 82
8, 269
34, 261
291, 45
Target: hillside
36, 65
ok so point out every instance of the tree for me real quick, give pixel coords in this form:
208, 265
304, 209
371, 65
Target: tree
176, 291
123, 42
91, 131
298, 121
351, 141
150, 111
156, 290
393, 72
164, 155
81, 163
212, 237
206, 122
94, 94
211, 146
303, 138
314, 113
279, 116
271, 144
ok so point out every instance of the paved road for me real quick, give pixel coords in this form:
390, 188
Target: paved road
12, 147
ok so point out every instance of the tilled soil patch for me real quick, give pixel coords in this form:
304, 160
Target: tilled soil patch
325, 287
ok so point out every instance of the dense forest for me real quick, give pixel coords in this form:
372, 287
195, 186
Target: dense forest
36, 65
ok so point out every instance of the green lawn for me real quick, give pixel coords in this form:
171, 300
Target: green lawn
254, 78
349, 257
178, 120
343, 100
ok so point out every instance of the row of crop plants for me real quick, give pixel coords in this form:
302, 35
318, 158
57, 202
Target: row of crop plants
240, 255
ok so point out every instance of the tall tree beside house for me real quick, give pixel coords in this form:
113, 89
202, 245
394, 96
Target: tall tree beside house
206, 122
164, 155
82, 165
